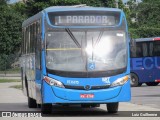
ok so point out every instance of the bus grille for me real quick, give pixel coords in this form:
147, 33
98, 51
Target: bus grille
83, 87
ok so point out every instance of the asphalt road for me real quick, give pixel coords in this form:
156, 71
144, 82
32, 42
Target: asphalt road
143, 99
146, 95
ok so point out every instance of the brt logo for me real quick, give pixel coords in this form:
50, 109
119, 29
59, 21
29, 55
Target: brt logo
147, 63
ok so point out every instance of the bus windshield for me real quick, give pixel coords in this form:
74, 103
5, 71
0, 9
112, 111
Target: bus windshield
86, 50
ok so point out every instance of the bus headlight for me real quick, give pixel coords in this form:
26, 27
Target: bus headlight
53, 82
120, 81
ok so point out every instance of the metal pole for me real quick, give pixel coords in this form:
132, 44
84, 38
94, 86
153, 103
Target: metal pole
116, 1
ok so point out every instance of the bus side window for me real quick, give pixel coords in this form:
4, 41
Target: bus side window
156, 49
145, 49
139, 52
38, 46
151, 49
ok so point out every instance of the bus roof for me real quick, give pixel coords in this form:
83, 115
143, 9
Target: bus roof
147, 39
67, 8
78, 7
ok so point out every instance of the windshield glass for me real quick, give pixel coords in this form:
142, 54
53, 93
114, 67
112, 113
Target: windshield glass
86, 50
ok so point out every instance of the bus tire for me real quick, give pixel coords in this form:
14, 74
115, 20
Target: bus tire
32, 103
152, 83
134, 80
112, 107
46, 108
139, 84
39, 105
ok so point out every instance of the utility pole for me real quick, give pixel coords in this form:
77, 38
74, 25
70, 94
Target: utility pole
116, 2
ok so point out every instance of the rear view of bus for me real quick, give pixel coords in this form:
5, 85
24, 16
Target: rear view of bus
84, 58
145, 62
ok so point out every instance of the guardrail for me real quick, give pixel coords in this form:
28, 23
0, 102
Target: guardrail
10, 76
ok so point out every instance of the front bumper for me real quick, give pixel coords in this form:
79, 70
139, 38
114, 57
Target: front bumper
51, 94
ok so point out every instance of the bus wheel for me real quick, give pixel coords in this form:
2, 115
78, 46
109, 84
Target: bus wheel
32, 103
134, 80
112, 107
46, 108
139, 84
39, 105
152, 83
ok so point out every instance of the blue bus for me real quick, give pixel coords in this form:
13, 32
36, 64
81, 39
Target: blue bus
76, 55
145, 62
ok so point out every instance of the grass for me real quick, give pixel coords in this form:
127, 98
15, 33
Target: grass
17, 87
8, 80
11, 71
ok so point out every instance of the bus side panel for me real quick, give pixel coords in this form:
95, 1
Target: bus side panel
138, 68
32, 75
24, 87
28, 75
157, 66
39, 61
146, 68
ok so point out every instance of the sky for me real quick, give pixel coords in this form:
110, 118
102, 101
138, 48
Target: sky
128, 0
13, 1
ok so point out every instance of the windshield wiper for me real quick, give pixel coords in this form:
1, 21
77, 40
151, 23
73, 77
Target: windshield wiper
73, 38
99, 38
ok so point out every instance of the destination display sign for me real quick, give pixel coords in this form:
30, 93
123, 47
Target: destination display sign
84, 19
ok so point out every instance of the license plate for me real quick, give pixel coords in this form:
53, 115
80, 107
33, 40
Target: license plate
86, 95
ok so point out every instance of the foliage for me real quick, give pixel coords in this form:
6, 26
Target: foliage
10, 34
147, 18
143, 32
35, 6
3, 2
120, 4
110, 3
148, 14
20, 8
6, 61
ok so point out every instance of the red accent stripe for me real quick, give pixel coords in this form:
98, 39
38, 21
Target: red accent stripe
158, 38
157, 80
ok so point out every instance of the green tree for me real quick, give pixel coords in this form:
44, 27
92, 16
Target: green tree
19, 7
35, 6
110, 3
148, 13
10, 33
131, 13
147, 18
10, 30
3, 2
120, 4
